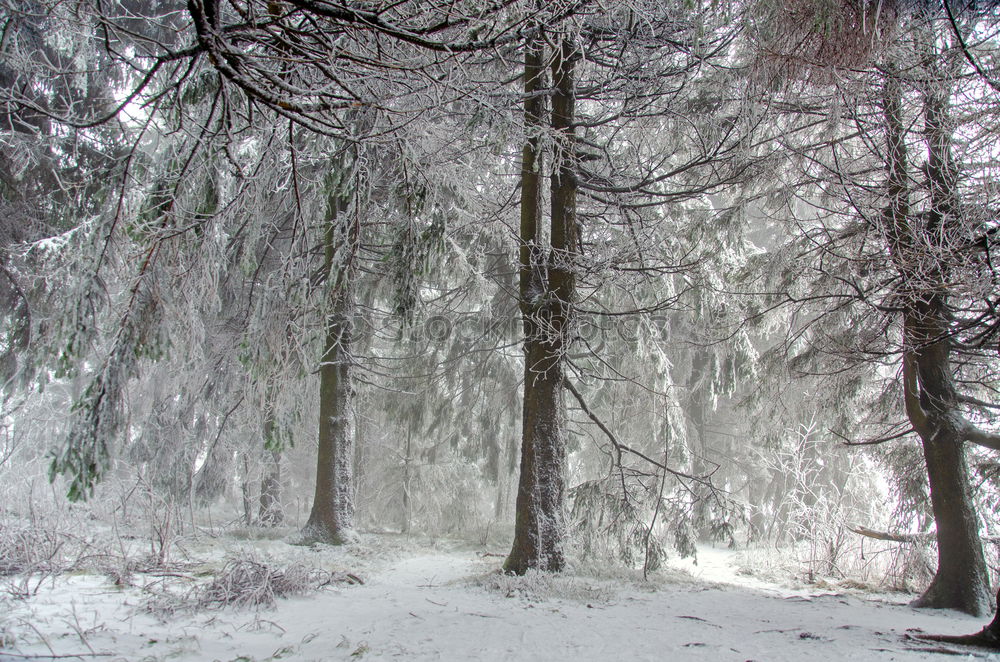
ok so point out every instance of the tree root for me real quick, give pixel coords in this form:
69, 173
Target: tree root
985, 638
988, 637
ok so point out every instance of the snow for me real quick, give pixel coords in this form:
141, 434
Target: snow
445, 601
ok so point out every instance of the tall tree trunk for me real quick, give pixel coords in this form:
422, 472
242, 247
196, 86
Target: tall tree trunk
698, 388
270, 512
961, 581
332, 517
547, 289
407, 479
931, 400
245, 495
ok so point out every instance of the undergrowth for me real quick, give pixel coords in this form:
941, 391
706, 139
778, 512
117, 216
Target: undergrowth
246, 581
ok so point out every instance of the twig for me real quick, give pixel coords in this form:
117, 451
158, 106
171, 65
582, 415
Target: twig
874, 441
964, 47
44, 640
25, 656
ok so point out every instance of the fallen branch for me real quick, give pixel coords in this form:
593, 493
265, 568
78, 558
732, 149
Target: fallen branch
892, 537
26, 656
906, 537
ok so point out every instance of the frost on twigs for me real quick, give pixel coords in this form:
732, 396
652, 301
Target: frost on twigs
248, 582
811, 39
8, 637
609, 525
29, 549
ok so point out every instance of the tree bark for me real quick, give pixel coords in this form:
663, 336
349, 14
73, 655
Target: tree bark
407, 461
547, 288
245, 495
332, 517
270, 511
699, 405
930, 397
961, 581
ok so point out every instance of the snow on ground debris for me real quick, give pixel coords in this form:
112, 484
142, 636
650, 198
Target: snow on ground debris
439, 602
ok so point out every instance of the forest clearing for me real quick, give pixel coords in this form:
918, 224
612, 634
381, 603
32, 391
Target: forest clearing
499, 329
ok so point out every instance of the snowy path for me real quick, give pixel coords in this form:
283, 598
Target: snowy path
421, 609
432, 605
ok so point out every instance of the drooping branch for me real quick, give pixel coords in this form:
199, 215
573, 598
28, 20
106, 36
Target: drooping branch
874, 441
623, 448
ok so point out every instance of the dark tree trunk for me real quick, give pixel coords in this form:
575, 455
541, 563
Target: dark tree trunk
332, 517
961, 581
407, 477
547, 288
245, 495
698, 385
270, 512
930, 397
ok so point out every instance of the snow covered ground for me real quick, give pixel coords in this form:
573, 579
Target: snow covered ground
444, 601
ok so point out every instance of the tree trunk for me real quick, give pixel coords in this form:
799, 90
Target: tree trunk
547, 289
407, 477
930, 397
698, 390
270, 512
961, 581
332, 518
245, 493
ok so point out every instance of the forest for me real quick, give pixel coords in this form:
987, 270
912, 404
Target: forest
499, 329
